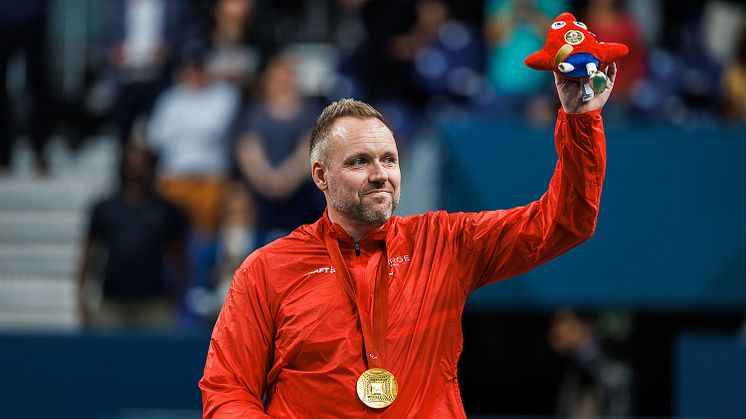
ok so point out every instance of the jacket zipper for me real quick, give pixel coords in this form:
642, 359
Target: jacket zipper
357, 249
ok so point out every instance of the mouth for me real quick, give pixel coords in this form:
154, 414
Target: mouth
377, 192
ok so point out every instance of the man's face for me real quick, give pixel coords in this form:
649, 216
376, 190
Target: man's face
362, 171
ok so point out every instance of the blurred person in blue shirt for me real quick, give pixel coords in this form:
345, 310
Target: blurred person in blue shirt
446, 54
272, 152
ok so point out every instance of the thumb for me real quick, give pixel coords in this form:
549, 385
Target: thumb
557, 79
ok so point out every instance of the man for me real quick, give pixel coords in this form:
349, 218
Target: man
359, 314
141, 36
140, 234
23, 31
594, 383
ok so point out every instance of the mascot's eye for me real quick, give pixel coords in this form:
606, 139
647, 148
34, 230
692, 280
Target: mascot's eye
580, 25
557, 25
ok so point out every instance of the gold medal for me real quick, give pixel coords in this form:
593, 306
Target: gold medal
377, 388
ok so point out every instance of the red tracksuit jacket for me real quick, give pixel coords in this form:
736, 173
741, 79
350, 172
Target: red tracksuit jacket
288, 343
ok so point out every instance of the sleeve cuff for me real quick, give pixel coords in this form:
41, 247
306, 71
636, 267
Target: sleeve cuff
590, 115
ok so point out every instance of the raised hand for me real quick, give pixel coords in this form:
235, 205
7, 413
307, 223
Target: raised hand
570, 93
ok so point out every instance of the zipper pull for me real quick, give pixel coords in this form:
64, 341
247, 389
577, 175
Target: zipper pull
357, 249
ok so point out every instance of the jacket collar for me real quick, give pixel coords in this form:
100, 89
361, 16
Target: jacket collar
383, 233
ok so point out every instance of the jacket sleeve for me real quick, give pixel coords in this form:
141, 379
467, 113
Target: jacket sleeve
240, 352
495, 245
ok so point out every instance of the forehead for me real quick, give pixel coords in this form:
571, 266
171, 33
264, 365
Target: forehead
349, 135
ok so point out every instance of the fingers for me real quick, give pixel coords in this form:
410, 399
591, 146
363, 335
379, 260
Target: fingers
611, 72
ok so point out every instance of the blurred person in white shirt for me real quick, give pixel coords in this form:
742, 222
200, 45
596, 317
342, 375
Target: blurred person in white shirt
189, 129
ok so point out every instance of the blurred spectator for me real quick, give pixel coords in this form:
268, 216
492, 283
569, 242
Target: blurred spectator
272, 150
235, 240
682, 75
237, 235
430, 16
189, 129
446, 54
733, 87
349, 31
405, 53
514, 29
23, 30
373, 71
593, 384
428, 60
720, 25
240, 41
610, 22
138, 234
142, 36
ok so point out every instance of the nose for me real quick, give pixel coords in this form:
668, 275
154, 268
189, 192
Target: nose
377, 173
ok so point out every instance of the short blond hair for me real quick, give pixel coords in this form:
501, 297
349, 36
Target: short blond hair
334, 111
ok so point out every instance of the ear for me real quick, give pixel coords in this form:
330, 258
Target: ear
318, 174
539, 60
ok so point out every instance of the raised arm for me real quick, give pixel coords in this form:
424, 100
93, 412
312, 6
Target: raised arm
495, 245
240, 352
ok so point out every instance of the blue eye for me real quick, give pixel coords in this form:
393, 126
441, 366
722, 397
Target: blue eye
580, 25
358, 162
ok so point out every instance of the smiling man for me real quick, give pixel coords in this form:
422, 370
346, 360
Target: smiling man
359, 314
356, 164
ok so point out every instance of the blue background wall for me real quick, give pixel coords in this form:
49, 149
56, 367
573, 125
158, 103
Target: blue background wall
672, 228
111, 376
710, 376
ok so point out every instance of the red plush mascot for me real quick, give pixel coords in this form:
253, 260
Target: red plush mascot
574, 52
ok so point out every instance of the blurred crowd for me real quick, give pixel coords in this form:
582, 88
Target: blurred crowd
212, 102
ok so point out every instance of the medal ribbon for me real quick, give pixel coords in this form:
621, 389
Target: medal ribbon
374, 332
